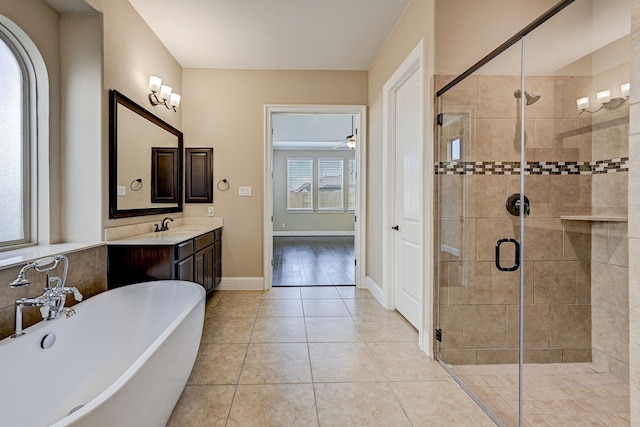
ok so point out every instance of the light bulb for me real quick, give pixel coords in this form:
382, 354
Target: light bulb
583, 103
604, 96
165, 92
625, 88
154, 83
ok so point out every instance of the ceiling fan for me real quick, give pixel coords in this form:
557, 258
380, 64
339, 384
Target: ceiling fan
350, 141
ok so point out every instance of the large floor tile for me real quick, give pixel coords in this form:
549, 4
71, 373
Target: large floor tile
332, 329
218, 364
236, 308
282, 293
227, 330
358, 404
353, 292
404, 361
324, 307
343, 362
203, 406
439, 403
280, 308
319, 292
362, 307
386, 328
276, 363
279, 329
273, 405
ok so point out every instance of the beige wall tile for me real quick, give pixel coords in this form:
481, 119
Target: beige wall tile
458, 235
569, 326
505, 140
577, 240
555, 282
484, 326
570, 195
541, 355
505, 285
543, 239
458, 356
451, 324
610, 332
610, 287
584, 282
490, 230
490, 357
618, 246
576, 355
536, 188
485, 196
536, 326
493, 99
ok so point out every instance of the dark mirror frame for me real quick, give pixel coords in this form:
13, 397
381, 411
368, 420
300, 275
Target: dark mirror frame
115, 99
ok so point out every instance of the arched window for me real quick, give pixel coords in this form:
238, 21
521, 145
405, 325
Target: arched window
21, 66
14, 161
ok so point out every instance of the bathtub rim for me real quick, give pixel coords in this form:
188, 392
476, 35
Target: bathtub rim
122, 380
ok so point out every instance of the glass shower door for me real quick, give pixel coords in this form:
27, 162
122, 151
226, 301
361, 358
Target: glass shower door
478, 171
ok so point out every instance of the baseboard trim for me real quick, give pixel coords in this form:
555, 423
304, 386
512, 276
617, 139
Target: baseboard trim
375, 289
241, 284
312, 233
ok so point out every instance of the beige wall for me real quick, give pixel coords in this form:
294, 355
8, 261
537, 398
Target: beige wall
417, 23
132, 52
308, 221
42, 25
224, 109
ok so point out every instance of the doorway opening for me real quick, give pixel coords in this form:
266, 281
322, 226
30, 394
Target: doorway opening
314, 197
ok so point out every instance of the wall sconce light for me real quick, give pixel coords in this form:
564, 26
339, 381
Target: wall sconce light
605, 100
162, 94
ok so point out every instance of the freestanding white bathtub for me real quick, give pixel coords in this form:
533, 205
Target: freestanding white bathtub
126, 356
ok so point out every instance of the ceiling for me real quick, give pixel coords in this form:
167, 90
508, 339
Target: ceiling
311, 131
272, 34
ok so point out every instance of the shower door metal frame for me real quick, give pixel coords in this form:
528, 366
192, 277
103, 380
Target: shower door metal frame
518, 37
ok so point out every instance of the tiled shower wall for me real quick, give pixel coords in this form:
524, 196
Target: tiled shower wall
87, 272
478, 303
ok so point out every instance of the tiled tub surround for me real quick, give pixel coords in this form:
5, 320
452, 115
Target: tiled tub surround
87, 272
577, 165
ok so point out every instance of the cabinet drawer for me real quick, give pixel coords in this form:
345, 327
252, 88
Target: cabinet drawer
217, 234
184, 249
203, 241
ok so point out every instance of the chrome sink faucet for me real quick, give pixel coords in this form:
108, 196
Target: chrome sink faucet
53, 299
164, 225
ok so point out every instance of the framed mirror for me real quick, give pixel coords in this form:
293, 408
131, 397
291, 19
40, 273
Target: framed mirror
145, 161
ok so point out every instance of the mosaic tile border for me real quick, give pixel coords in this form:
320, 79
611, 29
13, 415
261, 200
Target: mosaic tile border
533, 168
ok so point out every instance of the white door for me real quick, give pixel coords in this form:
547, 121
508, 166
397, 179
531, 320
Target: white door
408, 209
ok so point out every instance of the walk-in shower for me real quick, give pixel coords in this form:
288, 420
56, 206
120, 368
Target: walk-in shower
533, 315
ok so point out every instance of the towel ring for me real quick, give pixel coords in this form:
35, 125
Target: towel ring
136, 184
223, 185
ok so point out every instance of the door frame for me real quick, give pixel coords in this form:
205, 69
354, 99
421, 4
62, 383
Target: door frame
361, 169
414, 63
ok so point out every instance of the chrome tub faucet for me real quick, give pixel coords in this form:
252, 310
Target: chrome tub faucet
53, 299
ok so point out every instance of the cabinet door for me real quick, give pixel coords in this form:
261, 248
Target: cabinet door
217, 263
184, 269
204, 268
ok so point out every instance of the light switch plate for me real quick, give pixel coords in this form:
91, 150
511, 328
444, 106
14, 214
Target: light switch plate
244, 191
210, 211
121, 190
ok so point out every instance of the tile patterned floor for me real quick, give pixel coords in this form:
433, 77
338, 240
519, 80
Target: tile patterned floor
555, 394
316, 356
313, 261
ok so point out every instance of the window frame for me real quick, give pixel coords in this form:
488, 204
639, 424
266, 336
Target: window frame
29, 124
310, 160
321, 160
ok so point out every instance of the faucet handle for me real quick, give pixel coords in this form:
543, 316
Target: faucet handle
68, 312
44, 311
77, 295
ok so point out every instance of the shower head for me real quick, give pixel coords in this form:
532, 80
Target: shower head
20, 282
531, 98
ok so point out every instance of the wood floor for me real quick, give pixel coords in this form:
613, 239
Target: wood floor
313, 261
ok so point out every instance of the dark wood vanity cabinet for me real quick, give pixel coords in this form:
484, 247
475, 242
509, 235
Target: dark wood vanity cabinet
198, 259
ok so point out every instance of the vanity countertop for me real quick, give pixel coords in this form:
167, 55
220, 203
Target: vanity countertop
185, 231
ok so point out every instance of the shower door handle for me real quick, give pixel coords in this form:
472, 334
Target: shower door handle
516, 264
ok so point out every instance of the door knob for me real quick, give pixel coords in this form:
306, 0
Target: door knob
395, 227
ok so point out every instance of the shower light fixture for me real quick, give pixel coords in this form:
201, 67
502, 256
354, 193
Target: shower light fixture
605, 100
162, 94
